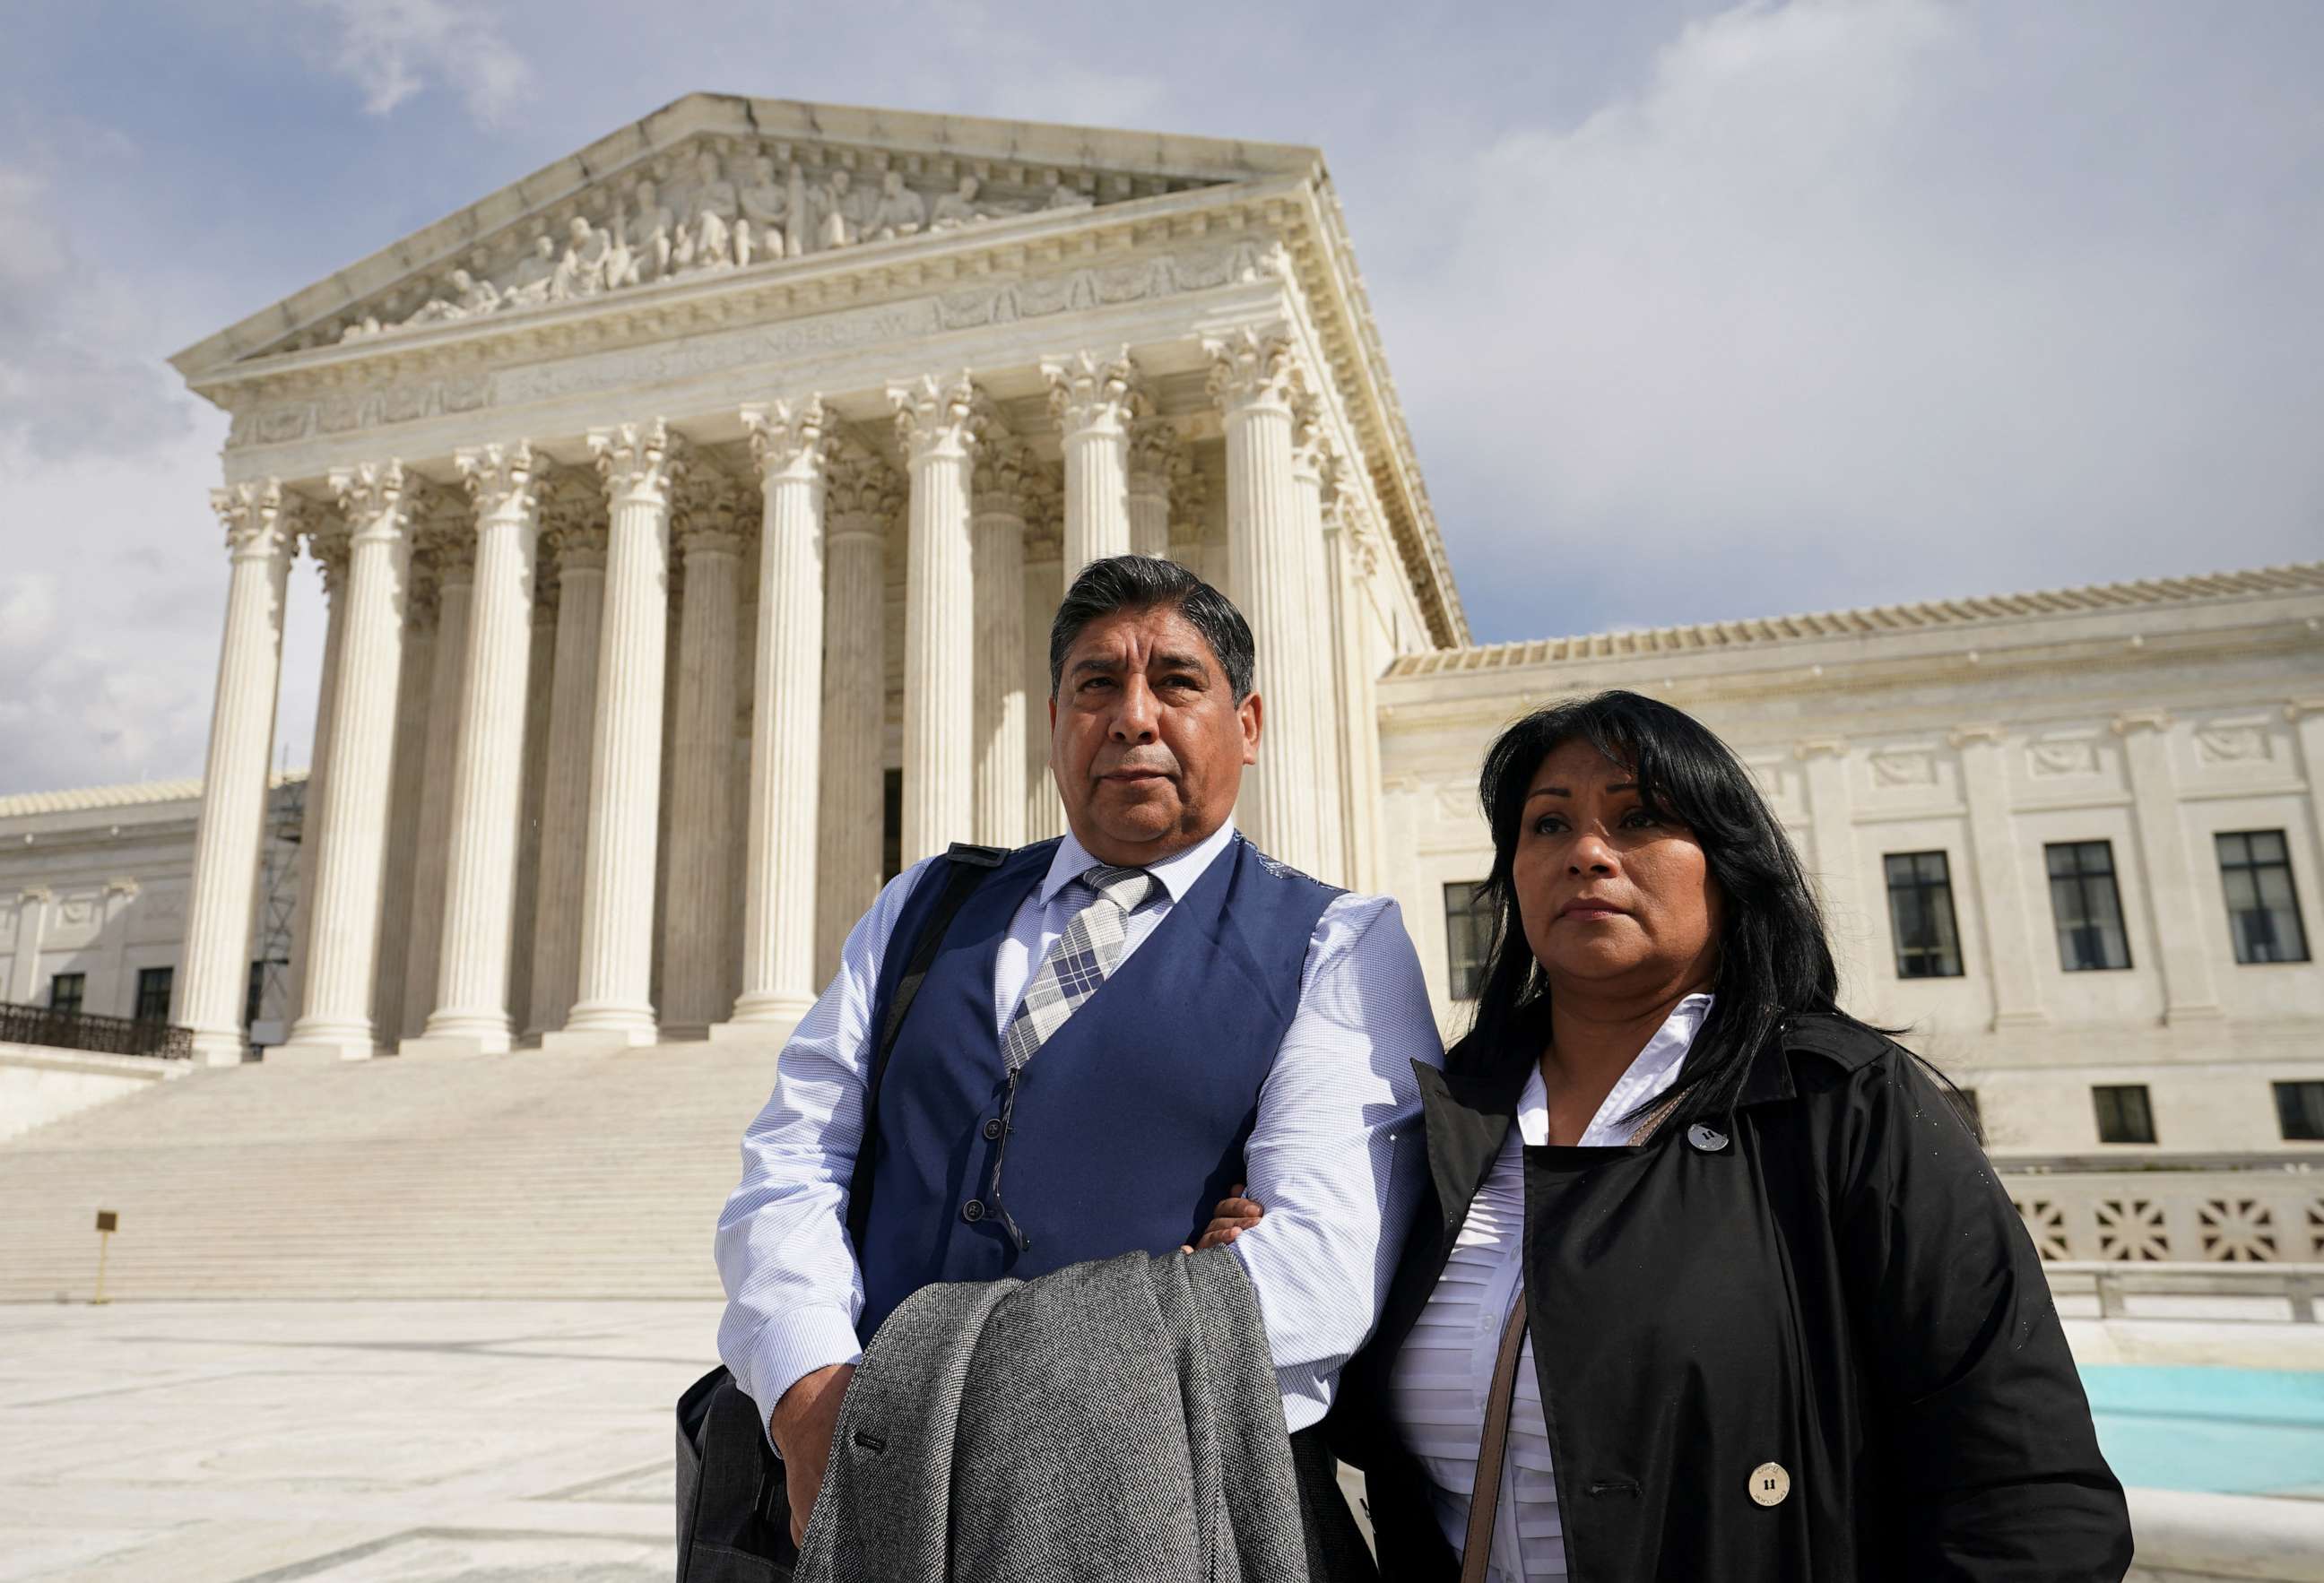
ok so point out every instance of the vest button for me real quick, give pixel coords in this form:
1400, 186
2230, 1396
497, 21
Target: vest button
992, 1129
972, 1212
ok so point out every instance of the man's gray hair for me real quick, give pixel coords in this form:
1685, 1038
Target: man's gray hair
1144, 583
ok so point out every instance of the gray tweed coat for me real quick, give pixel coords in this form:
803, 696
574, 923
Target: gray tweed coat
1117, 1420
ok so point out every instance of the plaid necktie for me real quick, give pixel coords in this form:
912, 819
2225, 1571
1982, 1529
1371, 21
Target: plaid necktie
1083, 956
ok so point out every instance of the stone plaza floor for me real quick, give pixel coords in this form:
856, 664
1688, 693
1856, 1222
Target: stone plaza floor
343, 1442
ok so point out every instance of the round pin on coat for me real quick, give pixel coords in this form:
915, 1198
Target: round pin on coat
1708, 1139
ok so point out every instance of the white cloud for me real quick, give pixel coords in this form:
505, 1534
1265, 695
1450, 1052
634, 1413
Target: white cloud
393, 49
1796, 323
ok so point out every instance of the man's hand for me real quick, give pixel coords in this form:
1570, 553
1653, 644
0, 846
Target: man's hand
803, 1424
1232, 1218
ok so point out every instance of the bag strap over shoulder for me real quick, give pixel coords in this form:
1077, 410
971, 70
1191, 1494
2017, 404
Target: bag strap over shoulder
966, 868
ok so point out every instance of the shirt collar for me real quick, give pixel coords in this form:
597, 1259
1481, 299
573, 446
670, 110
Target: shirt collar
1176, 872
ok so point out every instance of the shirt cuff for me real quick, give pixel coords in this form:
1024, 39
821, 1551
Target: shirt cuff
793, 1345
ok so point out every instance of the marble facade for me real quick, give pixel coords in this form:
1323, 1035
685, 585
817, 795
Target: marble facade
649, 553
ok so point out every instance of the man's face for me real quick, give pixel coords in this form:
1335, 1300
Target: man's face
1147, 742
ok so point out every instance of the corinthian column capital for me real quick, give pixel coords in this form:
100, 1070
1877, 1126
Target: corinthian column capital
935, 418
1089, 391
860, 493
707, 518
260, 519
327, 542
1155, 453
789, 438
501, 479
1254, 368
1314, 455
640, 461
383, 499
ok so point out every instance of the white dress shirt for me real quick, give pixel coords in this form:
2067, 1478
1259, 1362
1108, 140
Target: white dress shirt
1441, 1381
1335, 1155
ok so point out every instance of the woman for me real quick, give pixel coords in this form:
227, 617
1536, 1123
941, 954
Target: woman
1764, 1309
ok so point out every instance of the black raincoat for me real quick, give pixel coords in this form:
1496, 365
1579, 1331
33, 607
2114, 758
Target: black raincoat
1829, 1280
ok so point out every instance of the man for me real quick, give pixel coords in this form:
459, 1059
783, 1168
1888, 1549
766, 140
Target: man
1122, 1026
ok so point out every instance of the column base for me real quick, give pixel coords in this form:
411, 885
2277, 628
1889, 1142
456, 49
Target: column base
219, 1047
592, 1041
449, 1046
319, 1051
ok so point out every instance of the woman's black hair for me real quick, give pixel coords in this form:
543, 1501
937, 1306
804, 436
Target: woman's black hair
1773, 960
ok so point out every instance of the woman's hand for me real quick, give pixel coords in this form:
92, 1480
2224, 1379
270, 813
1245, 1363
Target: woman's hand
1234, 1215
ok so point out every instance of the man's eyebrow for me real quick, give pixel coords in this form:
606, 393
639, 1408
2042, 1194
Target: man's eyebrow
1184, 659
1105, 664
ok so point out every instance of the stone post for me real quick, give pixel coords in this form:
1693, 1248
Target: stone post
998, 551
1848, 920
2012, 949
641, 464
1093, 400
697, 958
933, 422
1253, 379
487, 799
378, 502
2183, 919
540, 672
262, 531
1155, 454
861, 501
453, 549
328, 543
1315, 466
407, 787
578, 539
790, 442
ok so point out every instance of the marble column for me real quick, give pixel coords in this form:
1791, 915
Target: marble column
2012, 947
262, 528
1093, 399
698, 957
328, 543
1045, 590
1253, 379
1848, 920
997, 531
641, 464
861, 501
1155, 454
378, 502
1315, 467
487, 783
453, 548
933, 422
407, 789
578, 540
121, 993
541, 671
1352, 556
2184, 919
790, 442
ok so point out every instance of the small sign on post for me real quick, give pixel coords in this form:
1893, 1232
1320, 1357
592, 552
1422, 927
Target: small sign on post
107, 1223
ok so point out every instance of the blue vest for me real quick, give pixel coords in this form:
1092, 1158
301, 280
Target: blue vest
1129, 1123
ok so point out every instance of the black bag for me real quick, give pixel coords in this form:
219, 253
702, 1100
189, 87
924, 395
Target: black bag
733, 1504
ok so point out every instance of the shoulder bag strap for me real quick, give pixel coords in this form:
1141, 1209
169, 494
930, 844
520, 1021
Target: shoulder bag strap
1493, 1446
967, 867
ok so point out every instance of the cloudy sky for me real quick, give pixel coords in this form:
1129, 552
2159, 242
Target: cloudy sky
1698, 311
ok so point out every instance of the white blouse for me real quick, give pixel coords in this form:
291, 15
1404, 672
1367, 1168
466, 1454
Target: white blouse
1441, 1381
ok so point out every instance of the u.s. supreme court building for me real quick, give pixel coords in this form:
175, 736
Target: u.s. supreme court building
691, 514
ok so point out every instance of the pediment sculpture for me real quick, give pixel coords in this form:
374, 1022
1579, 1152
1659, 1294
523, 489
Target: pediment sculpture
697, 212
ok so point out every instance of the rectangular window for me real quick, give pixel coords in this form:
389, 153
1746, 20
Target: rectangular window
2262, 908
1921, 915
2086, 907
1468, 929
66, 991
2299, 1108
2124, 1115
153, 993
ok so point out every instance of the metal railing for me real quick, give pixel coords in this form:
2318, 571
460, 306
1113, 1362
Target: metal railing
2115, 1283
82, 1030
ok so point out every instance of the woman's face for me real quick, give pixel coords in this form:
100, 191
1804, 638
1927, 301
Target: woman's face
1614, 899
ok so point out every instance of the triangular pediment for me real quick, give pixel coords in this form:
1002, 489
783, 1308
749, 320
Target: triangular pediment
717, 183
